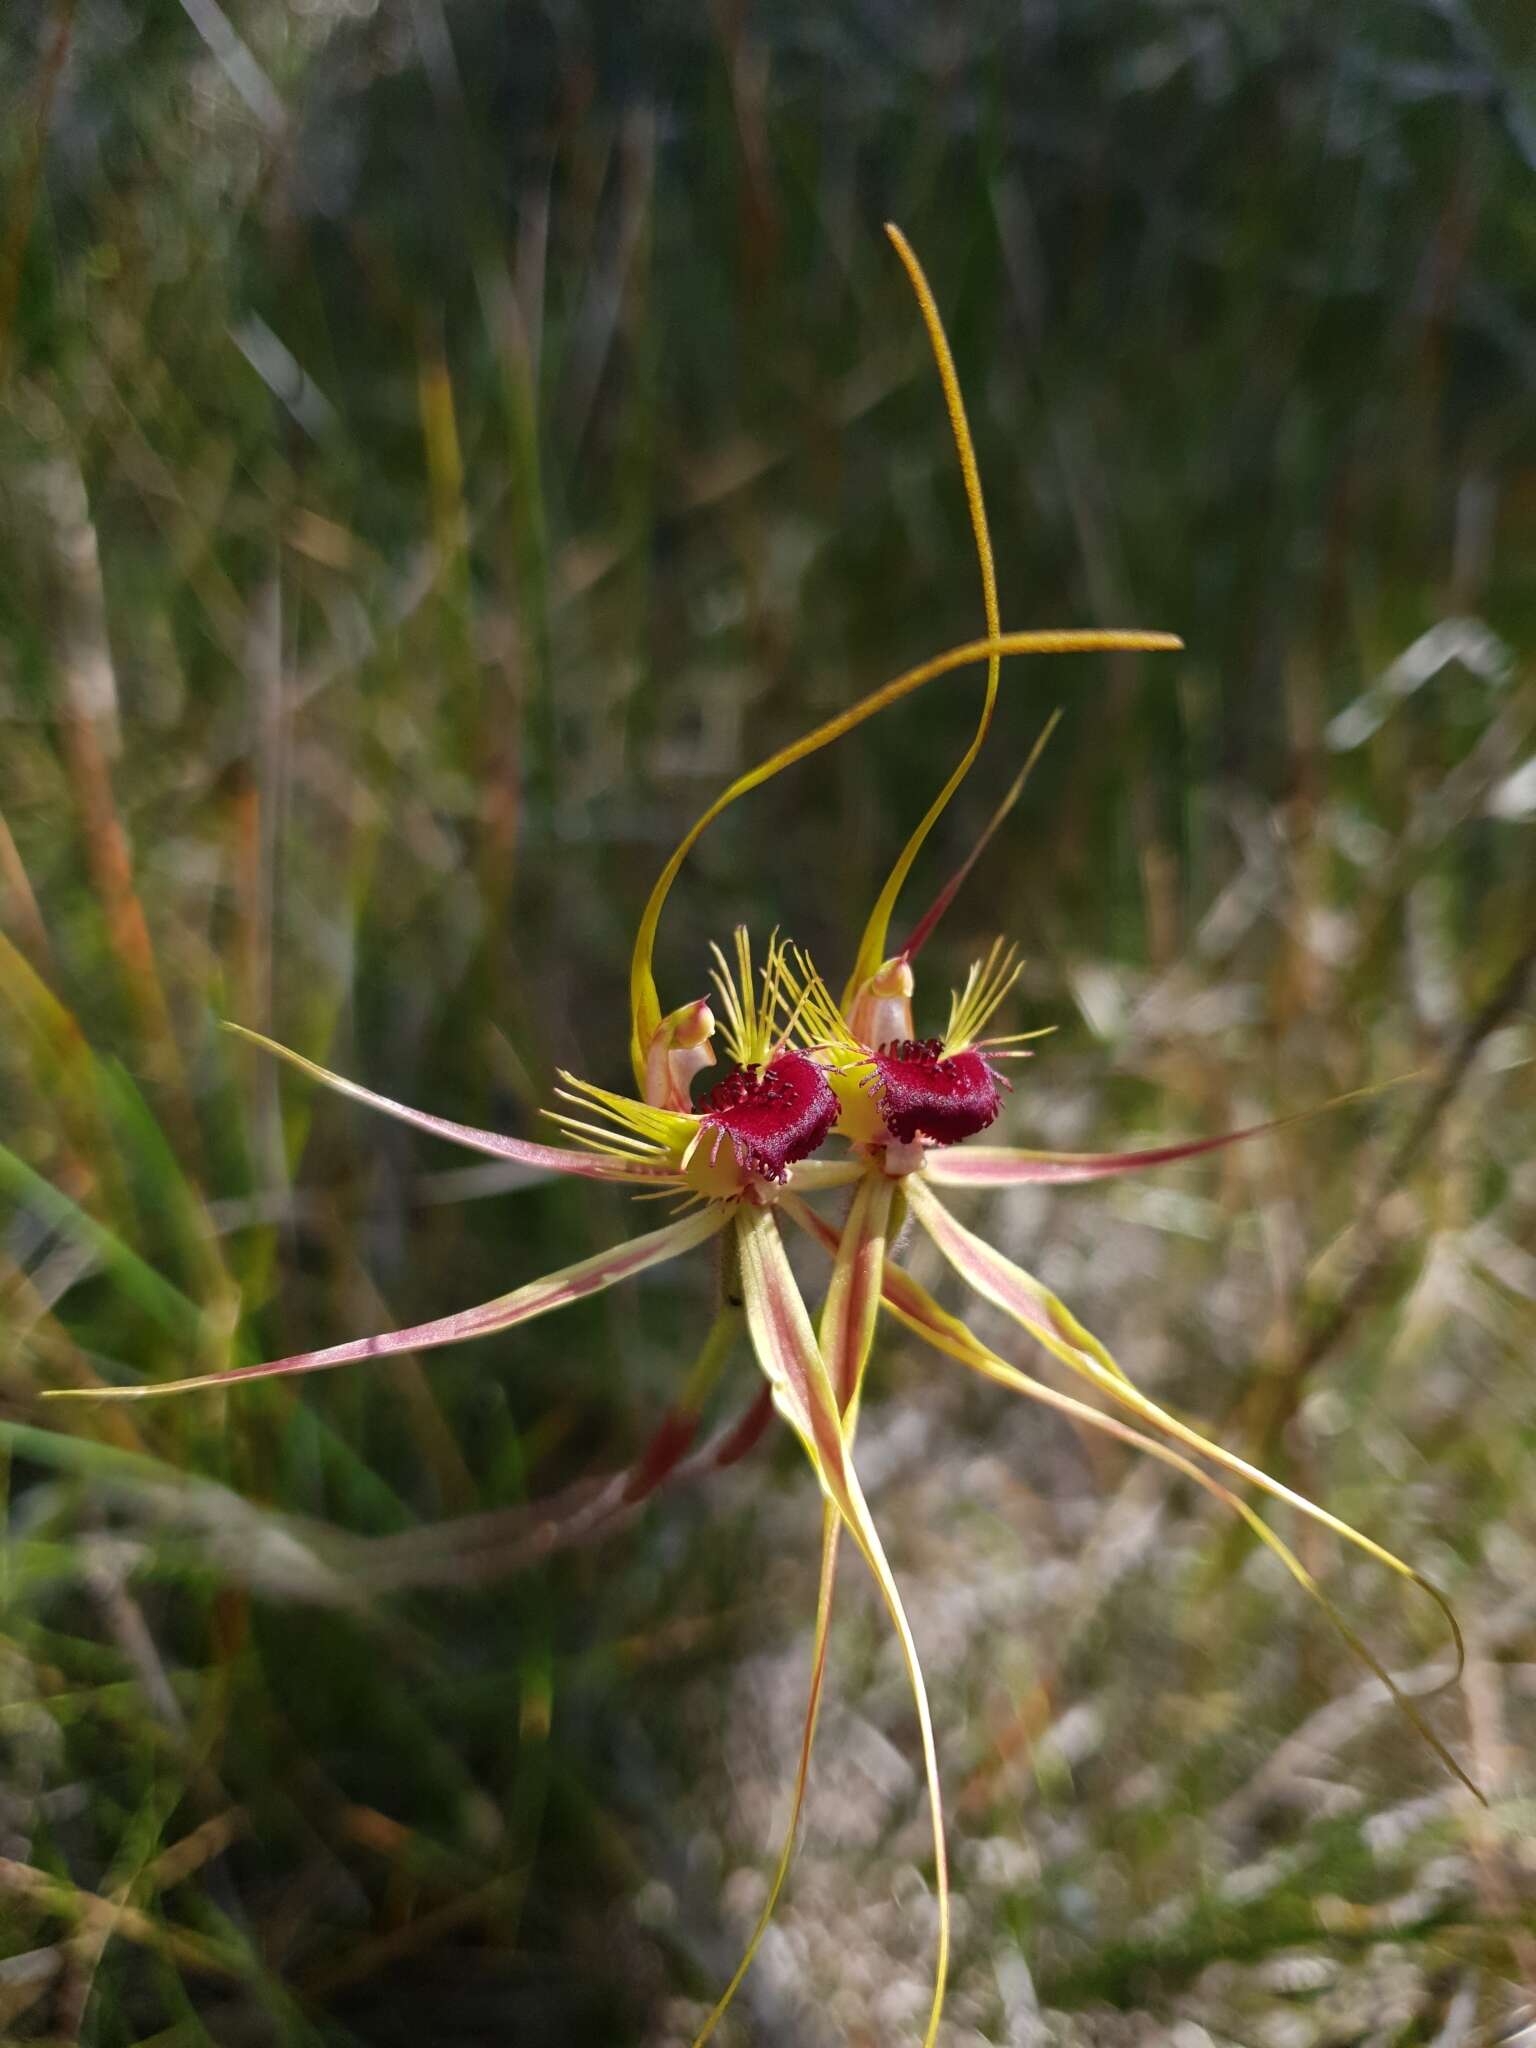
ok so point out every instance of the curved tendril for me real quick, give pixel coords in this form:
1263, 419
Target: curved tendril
645, 1009
922, 931
802, 1389
846, 1337
1052, 1324
872, 946
914, 1306
991, 1367
831, 1530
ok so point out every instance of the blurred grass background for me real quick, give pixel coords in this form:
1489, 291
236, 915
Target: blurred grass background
439, 445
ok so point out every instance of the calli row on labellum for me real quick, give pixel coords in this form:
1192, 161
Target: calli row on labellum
897, 1102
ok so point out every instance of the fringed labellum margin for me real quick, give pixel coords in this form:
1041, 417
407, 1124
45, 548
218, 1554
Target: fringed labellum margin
922, 1093
773, 1115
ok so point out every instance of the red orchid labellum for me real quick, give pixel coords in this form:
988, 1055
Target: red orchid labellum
775, 1106
774, 1115
804, 1068
925, 1092
921, 1088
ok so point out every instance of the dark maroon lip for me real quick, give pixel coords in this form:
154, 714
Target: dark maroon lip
921, 1093
773, 1114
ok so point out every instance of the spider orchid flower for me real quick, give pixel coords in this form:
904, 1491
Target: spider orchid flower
728, 1157
735, 1154
907, 1105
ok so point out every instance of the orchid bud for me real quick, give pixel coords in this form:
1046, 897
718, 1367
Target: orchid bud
680, 1048
881, 1010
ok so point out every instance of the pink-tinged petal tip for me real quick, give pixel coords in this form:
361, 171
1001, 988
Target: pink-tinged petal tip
536, 1298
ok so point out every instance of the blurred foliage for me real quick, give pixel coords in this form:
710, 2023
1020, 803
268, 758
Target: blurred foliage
439, 444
